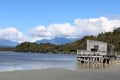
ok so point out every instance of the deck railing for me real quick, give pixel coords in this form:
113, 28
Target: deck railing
89, 53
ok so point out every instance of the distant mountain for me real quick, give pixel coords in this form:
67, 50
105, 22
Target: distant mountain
57, 40
7, 43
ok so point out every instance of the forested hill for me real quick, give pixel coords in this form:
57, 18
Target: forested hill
109, 37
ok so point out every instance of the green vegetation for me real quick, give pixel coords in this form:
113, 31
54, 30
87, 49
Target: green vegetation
109, 37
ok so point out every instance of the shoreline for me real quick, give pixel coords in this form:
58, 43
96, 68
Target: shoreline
61, 74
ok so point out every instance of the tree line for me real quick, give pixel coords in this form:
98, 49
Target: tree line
109, 37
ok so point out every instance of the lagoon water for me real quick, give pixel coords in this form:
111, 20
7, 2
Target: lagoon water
10, 61
58, 64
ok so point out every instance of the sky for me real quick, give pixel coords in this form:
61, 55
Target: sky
31, 20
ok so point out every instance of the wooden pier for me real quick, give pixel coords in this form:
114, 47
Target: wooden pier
93, 59
84, 56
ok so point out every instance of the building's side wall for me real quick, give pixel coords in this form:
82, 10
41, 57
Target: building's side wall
110, 49
102, 46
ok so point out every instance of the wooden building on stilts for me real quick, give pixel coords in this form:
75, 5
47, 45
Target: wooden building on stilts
97, 52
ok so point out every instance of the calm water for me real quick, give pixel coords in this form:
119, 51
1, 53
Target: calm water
10, 61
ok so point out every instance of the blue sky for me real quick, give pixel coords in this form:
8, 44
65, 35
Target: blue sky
30, 19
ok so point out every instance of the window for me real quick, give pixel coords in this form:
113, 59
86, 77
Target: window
96, 46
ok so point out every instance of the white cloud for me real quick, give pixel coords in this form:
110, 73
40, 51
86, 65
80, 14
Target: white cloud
12, 34
40, 31
81, 27
96, 25
65, 30
53, 30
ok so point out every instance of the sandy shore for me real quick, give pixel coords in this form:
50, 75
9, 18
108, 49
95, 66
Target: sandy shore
62, 74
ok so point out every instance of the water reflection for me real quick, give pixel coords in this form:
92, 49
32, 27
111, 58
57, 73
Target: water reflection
112, 65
